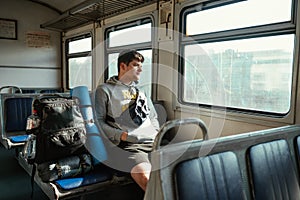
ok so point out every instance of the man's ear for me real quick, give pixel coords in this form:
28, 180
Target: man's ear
123, 66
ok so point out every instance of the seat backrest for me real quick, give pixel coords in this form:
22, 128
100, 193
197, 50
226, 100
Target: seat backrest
256, 165
212, 177
273, 172
49, 91
161, 112
28, 91
16, 111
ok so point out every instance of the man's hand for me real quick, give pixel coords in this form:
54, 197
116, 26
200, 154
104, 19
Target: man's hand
124, 136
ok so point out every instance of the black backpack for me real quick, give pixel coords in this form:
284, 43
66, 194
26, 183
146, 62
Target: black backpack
61, 131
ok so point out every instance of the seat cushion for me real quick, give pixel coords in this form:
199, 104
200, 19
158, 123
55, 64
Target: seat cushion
18, 138
101, 174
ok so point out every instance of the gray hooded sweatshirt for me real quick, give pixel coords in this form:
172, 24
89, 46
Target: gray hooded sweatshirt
112, 99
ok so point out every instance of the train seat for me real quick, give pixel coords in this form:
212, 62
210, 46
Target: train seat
29, 91
49, 91
93, 181
273, 172
100, 177
162, 116
15, 108
255, 165
41, 90
18, 138
218, 182
100, 174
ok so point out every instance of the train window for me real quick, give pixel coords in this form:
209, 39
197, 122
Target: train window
79, 61
240, 69
80, 45
238, 15
134, 35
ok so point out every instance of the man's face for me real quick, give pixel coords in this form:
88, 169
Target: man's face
133, 70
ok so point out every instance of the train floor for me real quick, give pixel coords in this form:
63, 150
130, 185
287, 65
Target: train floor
15, 183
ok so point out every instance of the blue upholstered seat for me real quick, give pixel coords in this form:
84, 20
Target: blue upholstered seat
274, 175
16, 111
18, 138
212, 177
99, 175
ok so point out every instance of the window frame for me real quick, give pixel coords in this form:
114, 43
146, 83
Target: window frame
287, 27
77, 55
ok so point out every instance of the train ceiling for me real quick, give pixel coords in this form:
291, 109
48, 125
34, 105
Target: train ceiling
75, 13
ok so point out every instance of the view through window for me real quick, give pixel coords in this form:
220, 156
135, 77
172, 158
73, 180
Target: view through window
79, 61
251, 73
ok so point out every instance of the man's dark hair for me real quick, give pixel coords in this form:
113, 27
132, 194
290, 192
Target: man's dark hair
127, 56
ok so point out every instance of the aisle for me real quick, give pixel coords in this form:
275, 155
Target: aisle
15, 182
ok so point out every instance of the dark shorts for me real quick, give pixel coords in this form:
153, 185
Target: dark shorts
135, 153
127, 155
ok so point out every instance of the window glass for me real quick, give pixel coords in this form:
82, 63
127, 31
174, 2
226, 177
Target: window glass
82, 45
80, 71
113, 64
79, 61
253, 74
132, 35
238, 15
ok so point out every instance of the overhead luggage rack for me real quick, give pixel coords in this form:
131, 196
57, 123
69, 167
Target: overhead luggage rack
93, 10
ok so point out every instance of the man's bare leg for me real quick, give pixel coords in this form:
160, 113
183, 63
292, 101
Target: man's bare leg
141, 173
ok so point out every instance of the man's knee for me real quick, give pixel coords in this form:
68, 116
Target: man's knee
143, 167
140, 173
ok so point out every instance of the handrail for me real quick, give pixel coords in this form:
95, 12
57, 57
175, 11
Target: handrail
178, 122
13, 89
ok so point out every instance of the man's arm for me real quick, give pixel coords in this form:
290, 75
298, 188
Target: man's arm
101, 104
